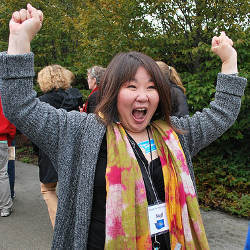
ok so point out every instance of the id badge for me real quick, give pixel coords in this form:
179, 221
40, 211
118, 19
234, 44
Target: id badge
12, 153
158, 221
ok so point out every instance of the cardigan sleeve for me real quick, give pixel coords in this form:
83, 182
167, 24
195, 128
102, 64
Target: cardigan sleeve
204, 127
42, 123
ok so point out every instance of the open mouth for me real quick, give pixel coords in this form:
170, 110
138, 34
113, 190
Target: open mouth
139, 114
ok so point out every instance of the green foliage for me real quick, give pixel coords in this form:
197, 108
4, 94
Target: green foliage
223, 179
85, 93
26, 159
26, 154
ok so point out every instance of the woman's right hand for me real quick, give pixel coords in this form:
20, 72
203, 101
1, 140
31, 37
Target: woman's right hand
23, 26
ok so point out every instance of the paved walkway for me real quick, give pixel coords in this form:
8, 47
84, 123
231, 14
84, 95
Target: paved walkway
28, 228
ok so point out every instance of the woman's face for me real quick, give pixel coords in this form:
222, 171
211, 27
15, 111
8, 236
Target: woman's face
91, 82
137, 102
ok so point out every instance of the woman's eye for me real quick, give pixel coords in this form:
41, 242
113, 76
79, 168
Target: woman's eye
152, 87
131, 86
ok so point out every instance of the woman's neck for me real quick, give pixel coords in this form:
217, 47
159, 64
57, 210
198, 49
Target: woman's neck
143, 136
94, 87
139, 137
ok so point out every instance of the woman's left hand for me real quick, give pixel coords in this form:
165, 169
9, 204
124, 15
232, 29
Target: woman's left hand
223, 47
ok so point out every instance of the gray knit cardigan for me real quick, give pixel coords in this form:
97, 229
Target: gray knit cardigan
72, 140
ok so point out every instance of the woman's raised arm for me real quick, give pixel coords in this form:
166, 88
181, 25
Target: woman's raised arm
206, 126
42, 123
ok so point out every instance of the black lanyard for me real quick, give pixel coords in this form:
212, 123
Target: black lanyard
150, 189
145, 170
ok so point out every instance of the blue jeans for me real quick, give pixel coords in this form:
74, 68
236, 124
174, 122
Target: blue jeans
11, 173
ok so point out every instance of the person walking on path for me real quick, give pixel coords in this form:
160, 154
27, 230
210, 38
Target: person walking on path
55, 82
125, 173
11, 168
7, 134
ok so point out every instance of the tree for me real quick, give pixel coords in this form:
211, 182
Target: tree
108, 27
58, 40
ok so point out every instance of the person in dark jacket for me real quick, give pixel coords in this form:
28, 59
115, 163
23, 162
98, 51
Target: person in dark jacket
95, 75
55, 82
179, 106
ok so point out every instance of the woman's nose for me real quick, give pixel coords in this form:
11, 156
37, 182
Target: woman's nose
142, 96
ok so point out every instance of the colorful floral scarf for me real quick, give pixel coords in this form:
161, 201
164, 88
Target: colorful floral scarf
127, 225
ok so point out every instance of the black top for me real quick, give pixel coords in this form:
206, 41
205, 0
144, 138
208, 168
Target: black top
96, 238
179, 104
92, 102
69, 100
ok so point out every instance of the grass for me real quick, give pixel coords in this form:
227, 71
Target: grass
26, 154
221, 187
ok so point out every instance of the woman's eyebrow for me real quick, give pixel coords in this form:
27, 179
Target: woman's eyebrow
135, 80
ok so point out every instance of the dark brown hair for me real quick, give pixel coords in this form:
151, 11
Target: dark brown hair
123, 68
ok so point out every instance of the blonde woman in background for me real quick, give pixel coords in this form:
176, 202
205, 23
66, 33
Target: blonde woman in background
178, 98
55, 82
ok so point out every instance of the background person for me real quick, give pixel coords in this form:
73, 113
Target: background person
11, 168
95, 75
7, 134
103, 151
55, 82
178, 98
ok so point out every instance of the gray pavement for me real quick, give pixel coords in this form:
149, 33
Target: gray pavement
28, 228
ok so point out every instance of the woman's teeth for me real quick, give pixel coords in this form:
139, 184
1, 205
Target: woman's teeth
139, 113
